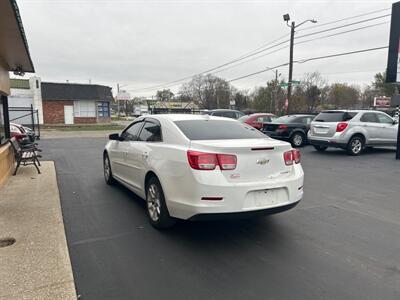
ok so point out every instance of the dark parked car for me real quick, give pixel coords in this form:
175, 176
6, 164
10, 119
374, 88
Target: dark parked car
292, 128
227, 113
257, 120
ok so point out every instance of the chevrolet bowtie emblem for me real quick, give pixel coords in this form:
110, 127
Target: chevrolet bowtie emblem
262, 161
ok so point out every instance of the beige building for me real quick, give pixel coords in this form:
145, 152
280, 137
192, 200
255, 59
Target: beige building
14, 57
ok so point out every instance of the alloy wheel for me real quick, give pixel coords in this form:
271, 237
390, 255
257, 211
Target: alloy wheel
153, 202
297, 140
107, 168
356, 146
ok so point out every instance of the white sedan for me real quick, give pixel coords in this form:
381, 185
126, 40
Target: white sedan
202, 167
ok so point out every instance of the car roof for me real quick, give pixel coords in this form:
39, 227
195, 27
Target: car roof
261, 114
221, 109
184, 117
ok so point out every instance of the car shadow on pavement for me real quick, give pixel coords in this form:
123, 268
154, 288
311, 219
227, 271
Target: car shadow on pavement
264, 227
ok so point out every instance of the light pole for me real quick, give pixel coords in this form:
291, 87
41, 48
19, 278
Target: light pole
274, 94
293, 26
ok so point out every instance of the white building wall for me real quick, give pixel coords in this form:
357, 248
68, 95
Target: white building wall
36, 86
26, 98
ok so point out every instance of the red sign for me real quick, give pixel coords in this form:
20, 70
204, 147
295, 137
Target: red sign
382, 101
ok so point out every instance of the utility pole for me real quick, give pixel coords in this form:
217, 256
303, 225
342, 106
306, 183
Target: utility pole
276, 91
117, 99
293, 26
398, 133
289, 90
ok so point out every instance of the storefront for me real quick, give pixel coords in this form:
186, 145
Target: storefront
14, 57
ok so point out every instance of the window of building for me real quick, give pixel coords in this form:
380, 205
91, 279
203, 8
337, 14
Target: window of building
85, 108
103, 109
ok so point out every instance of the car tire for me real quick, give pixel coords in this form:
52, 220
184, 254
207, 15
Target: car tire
356, 145
156, 207
108, 176
320, 148
297, 139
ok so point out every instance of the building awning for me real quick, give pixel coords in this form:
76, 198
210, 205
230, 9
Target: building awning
14, 51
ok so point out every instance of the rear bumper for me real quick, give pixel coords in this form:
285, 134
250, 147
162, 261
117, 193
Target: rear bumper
184, 201
242, 215
327, 143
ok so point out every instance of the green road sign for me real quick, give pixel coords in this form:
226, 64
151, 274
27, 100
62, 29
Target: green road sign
285, 84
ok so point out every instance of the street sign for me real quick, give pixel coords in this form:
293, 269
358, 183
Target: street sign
286, 84
123, 95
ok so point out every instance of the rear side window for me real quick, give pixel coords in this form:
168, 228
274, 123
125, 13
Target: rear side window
335, 116
264, 119
151, 132
217, 130
369, 118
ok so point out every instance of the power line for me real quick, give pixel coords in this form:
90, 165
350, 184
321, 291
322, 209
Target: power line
344, 19
261, 49
302, 61
302, 42
342, 32
310, 59
342, 26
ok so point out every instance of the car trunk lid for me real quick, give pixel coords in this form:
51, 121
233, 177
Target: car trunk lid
257, 159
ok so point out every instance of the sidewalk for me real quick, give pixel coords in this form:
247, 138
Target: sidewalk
37, 266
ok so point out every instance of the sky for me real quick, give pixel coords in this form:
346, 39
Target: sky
141, 44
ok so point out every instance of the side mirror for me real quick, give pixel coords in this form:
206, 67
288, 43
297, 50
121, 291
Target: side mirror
114, 137
395, 122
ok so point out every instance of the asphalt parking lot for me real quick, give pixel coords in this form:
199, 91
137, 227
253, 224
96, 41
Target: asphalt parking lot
341, 242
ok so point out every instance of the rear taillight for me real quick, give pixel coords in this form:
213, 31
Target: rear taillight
296, 156
227, 161
282, 126
292, 156
209, 161
202, 161
341, 126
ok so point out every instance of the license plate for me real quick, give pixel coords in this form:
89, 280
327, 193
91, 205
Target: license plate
321, 130
264, 198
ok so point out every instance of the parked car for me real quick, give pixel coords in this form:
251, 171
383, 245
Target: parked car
227, 113
291, 128
17, 133
257, 120
23, 130
202, 167
352, 130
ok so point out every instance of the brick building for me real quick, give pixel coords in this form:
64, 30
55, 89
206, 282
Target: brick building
71, 103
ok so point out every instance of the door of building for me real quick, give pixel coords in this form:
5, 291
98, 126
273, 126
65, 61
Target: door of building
68, 114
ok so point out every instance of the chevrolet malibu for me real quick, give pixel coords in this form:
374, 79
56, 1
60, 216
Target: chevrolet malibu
203, 167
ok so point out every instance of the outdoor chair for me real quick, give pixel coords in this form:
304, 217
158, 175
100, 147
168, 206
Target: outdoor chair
26, 155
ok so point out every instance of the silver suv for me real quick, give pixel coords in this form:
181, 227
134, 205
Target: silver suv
352, 130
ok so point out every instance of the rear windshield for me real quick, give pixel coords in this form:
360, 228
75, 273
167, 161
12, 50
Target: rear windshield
284, 119
244, 118
217, 130
334, 116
